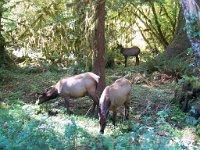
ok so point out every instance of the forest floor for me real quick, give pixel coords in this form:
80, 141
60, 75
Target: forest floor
155, 122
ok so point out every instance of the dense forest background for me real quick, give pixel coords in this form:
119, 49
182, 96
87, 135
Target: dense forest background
44, 40
58, 30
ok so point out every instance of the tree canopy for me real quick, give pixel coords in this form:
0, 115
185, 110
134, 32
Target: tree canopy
60, 29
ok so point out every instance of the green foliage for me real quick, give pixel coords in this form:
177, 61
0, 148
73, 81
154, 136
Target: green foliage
192, 26
71, 133
179, 115
54, 31
27, 126
111, 55
151, 64
198, 129
173, 66
146, 137
46, 28
6, 75
126, 18
20, 131
194, 81
46, 134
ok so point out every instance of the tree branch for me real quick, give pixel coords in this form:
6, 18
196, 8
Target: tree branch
158, 25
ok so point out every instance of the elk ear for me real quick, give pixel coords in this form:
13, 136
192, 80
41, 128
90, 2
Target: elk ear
119, 45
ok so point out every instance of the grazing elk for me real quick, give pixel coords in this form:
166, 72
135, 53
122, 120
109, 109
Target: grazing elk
133, 51
73, 87
114, 96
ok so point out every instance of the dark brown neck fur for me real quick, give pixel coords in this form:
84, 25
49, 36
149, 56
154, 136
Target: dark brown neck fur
51, 93
105, 107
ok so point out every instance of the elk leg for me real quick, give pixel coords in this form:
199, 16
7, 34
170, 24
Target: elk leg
67, 104
137, 60
114, 117
95, 103
126, 110
125, 60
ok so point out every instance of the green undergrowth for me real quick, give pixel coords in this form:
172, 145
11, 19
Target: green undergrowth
23, 128
154, 122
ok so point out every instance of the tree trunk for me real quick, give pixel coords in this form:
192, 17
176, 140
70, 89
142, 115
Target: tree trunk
181, 42
5, 60
2, 41
191, 10
158, 26
99, 44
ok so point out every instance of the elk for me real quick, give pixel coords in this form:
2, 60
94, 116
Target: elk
73, 87
114, 96
133, 51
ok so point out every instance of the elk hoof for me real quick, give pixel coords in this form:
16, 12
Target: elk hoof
101, 132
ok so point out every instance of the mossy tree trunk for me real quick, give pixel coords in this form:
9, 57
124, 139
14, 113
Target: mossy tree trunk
99, 44
192, 16
181, 42
4, 58
2, 41
183, 39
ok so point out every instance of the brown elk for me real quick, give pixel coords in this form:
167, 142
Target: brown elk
73, 87
114, 96
133, 51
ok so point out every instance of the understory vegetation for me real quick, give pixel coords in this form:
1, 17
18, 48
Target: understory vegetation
155, 121
42, 41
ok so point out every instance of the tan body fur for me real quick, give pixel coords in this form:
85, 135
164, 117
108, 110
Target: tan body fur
114, 96
78, 85
73, 87
118, 93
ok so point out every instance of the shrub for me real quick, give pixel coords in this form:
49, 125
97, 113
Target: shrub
6, 76
174, 66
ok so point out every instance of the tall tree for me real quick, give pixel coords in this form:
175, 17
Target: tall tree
99, 44
192, 16
189, 18
2, 41
180, 42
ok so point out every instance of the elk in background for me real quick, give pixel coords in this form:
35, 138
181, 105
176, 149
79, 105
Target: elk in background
133, 51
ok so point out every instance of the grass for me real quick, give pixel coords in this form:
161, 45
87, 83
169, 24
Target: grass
154, 122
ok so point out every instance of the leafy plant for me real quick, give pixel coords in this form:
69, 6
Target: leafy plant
23, 125
194, 81
174, 66
71, 134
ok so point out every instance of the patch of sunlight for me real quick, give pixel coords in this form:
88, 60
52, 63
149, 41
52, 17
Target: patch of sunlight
187, 140
138, 40
27, 52
188, 135
148, 86
90, 126
134, 39
4, 105
61, 120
